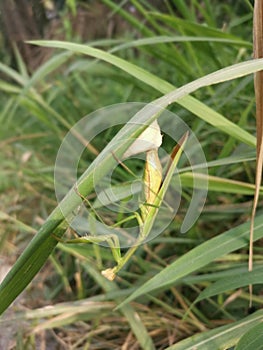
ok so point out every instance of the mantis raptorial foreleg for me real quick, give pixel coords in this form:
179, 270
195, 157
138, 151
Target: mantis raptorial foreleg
154, 192
154, 189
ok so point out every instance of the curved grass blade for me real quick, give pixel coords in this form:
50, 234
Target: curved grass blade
253, 339
193, 105
200, 256
217, 184
171, 39
232, 282
220, 338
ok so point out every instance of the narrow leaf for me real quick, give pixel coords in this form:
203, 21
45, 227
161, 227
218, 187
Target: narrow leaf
220, 338
193, 105
217, 184
232, 282
200, 256
253, 339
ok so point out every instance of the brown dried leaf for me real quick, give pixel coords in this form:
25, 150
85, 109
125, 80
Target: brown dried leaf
258, 85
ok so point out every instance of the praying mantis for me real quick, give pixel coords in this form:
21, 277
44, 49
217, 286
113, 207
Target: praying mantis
155, 186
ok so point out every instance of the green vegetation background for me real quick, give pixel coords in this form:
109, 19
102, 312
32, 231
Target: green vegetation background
177, 43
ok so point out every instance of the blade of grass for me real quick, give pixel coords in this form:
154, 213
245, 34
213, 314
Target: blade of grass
200, 256
232, 282
195, 28
188, 102
217, 184
170, 39
220, 338
253, 339
244, 157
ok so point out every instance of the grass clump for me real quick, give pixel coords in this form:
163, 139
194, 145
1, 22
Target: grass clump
190, 289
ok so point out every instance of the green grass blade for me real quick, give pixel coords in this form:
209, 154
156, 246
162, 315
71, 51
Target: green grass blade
200, 256
47, 68
220, 338
30, 262
196, 29
170, 39
233, 159
217, 184
233, 282
13, 74
253, 339
188, 102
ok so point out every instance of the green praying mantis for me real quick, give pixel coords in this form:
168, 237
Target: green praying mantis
155, 186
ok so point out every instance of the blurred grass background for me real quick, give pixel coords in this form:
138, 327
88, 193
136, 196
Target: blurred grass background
44, 92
